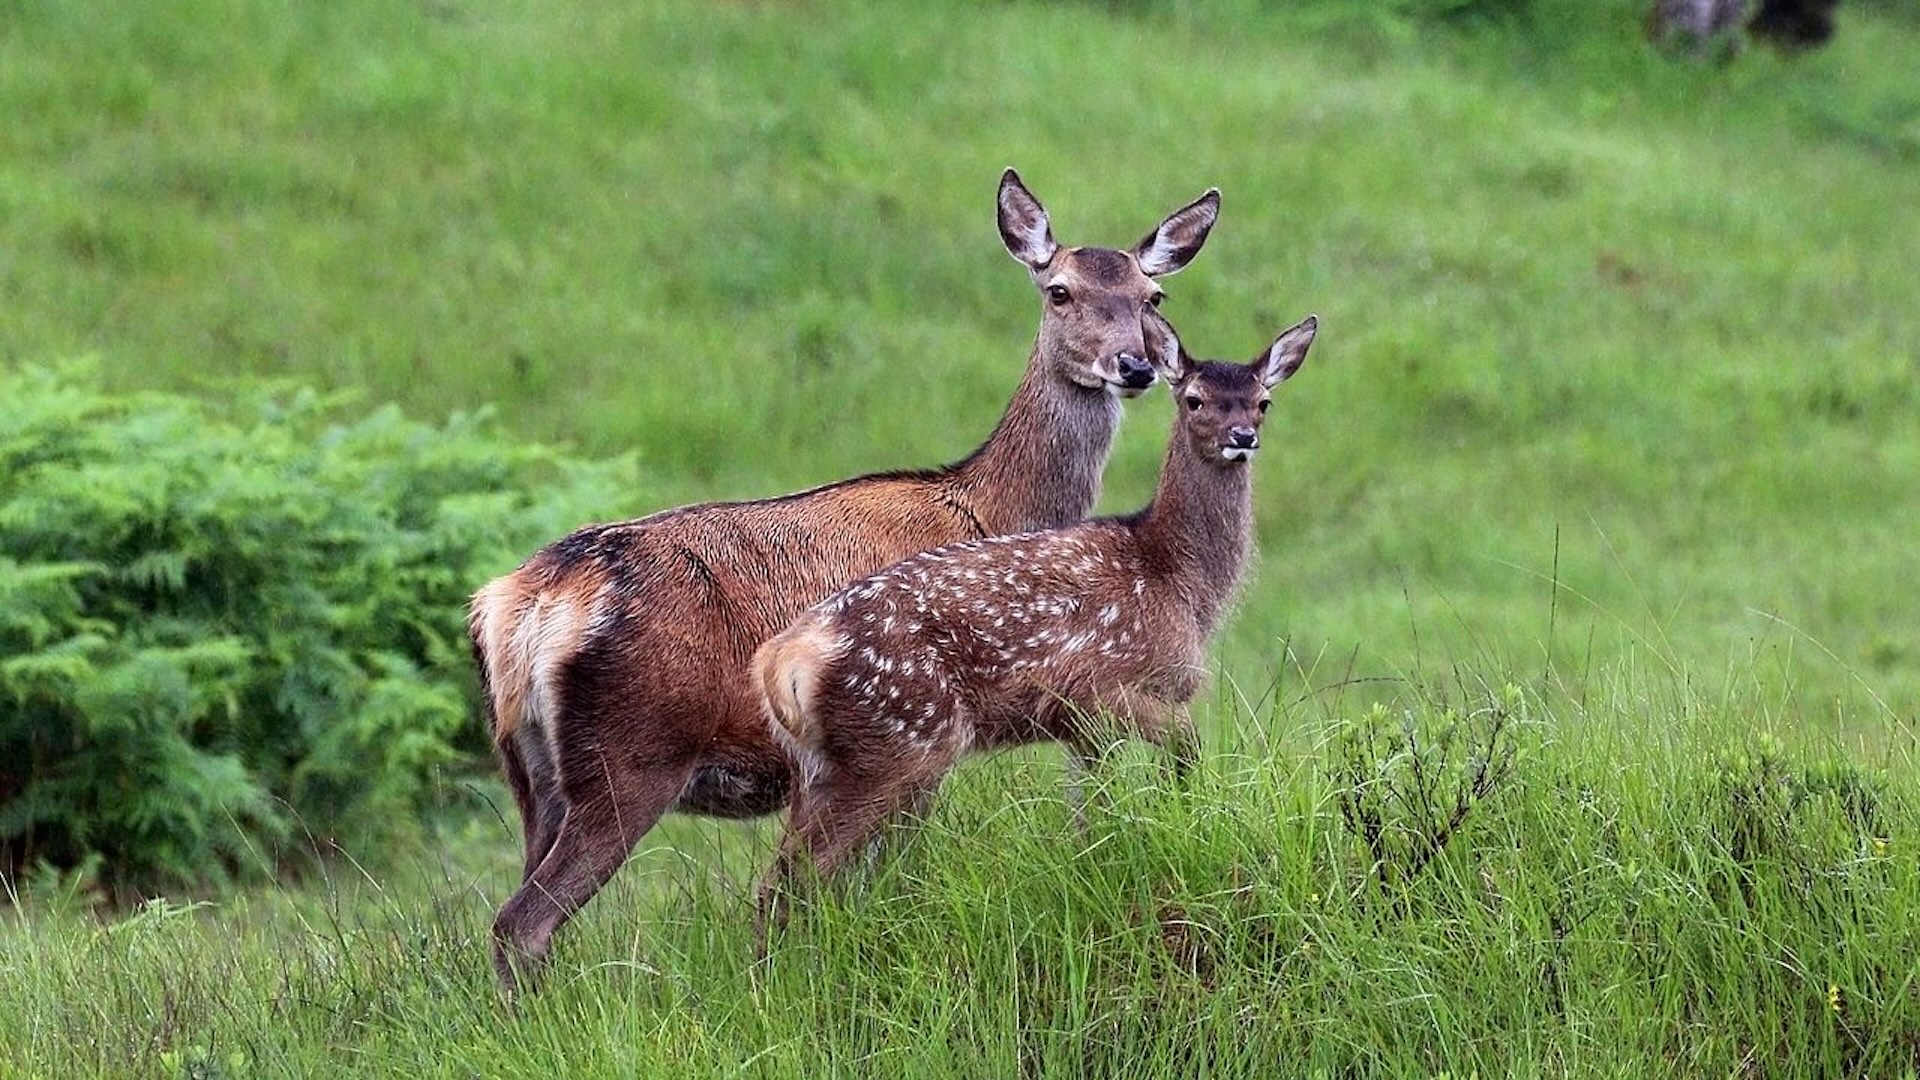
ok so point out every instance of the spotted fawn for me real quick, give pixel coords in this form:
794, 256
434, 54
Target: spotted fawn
1052, 636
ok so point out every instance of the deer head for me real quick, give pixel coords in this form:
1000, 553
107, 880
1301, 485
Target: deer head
1223, 404
1091, 297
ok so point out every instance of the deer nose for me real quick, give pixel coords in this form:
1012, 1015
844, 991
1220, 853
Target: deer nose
1243, 438
1135, 372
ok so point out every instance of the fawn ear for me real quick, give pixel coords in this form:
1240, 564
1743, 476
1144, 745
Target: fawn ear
1177, 240
1286, 354
1023, 223
1164, 350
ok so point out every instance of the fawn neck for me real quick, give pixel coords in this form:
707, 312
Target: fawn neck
1040, 468
1199, 527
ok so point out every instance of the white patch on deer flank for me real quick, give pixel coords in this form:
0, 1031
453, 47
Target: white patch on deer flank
1108, 614
546, 638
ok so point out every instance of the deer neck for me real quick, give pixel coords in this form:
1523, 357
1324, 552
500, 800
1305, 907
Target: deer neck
1198, 530
1040, 469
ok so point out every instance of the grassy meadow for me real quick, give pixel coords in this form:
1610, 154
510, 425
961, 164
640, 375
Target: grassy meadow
1591, 513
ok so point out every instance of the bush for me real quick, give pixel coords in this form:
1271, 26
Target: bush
1407, 784
220, 629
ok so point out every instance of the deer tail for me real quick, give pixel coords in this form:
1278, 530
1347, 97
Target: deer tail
520, 639
787, 670
502, 686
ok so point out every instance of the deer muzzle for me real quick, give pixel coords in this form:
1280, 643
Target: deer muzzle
1241, 443
1135, 372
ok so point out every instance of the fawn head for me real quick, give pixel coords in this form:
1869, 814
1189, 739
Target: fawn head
1222, 404
1091, 297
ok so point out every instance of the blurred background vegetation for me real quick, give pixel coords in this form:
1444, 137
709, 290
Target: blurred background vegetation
1620, 365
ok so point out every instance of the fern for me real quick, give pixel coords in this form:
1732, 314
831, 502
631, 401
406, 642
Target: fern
225, 628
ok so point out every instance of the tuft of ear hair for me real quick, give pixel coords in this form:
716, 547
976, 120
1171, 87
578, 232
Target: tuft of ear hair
1174, 242
1287, 353
1023, 223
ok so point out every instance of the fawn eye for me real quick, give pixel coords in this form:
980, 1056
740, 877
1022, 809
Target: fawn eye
1193, 403
1263, 405
1058, 294
1154, 300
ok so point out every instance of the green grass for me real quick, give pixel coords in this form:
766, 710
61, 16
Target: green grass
1618, 389
1650, 890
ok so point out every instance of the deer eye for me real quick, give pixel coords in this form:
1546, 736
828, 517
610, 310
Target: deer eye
1263, 405
1058, 294
1193, 403
1154, 300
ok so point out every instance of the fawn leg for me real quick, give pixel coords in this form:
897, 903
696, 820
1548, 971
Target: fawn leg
902, 828
826, 826
599, 830
1167, 725
1084, 756
778, 881
1181, 743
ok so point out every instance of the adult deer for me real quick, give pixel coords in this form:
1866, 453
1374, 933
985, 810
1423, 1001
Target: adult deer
879, 689
614, 660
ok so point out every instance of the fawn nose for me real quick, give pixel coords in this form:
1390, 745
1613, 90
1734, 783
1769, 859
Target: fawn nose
1243, 438
1135, 372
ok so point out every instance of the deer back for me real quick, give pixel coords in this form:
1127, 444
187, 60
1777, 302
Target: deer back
643, 614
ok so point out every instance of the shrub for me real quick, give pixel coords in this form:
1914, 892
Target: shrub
1406, 784
221, 627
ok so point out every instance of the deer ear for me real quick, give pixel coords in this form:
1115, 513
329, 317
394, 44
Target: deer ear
1164, 350
1023, 223
1286, 354
1177, 240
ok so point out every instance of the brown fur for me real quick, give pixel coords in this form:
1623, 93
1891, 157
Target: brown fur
1019, 639
615, 660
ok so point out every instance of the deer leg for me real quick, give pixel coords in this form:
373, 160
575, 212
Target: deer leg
1095, 734
1084, 756
522, 787
779, 883
770, 899
597, 832
845, 826
536, 787
1180, 742
904, 826
1167, 725
825, 828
